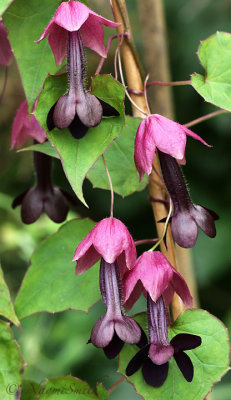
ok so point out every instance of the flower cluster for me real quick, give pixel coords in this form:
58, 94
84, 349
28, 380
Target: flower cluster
122, 280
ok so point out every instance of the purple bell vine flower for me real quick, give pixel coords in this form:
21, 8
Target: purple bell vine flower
114, 329
158, 132
154, 357
5, 48
186, 215
73, 25
43, 196
111, 242
158, 280
26, 126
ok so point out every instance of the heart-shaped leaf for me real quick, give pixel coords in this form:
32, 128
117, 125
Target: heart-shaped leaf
25, 21
210, 360
214, 55
78, 156
50, 283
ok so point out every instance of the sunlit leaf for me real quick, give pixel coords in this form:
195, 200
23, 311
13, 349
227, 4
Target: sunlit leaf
25, 21
214, 55
6, 306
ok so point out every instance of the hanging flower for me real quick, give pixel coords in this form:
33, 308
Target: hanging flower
43, 196
110, 240
153, 358
153, 274
114, 329
73, 26
158, 132
74, 16
26, 126
186, 216
5, 48
158, 280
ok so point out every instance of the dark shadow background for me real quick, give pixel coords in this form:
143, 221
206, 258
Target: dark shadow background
54, 345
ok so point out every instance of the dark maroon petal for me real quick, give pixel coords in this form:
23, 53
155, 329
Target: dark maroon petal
56, 206
185, 341
204, 220
114, 347
143, 340
18, 200
185, 365
50, 120
108, 111
71, 199
77, 128
32, 206
137, 361
154, 375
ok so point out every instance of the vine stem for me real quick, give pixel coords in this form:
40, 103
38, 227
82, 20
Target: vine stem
121, 380
205, 118
134, 79
111, 187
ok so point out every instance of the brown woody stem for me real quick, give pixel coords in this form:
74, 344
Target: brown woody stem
135, 81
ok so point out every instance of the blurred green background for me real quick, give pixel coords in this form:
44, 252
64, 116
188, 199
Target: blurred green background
54, 345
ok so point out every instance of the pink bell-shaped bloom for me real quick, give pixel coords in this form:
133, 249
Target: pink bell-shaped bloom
72, 16
5, 49
25, 126
110, 240
158, 132
153, 274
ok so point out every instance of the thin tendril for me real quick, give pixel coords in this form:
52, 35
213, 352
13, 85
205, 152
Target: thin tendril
111, 187
145, 94
165, 226
128, 95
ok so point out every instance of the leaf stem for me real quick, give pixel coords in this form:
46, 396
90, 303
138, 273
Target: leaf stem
176, 83
145, 241
111, 187
205, 118
121, 380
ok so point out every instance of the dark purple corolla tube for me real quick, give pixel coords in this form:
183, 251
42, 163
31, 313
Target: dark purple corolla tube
77, 110
186, 216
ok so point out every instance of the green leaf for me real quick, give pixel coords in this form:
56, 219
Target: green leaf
11, 364
6, 306
214, 55
26, 21
50, 283
101, 392
210, 360
119, 158
67, 388
4, 5
78, 156
30, 390
45, 148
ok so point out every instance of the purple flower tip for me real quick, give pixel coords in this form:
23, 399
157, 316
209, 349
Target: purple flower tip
114, 329
186, 216
44, 196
